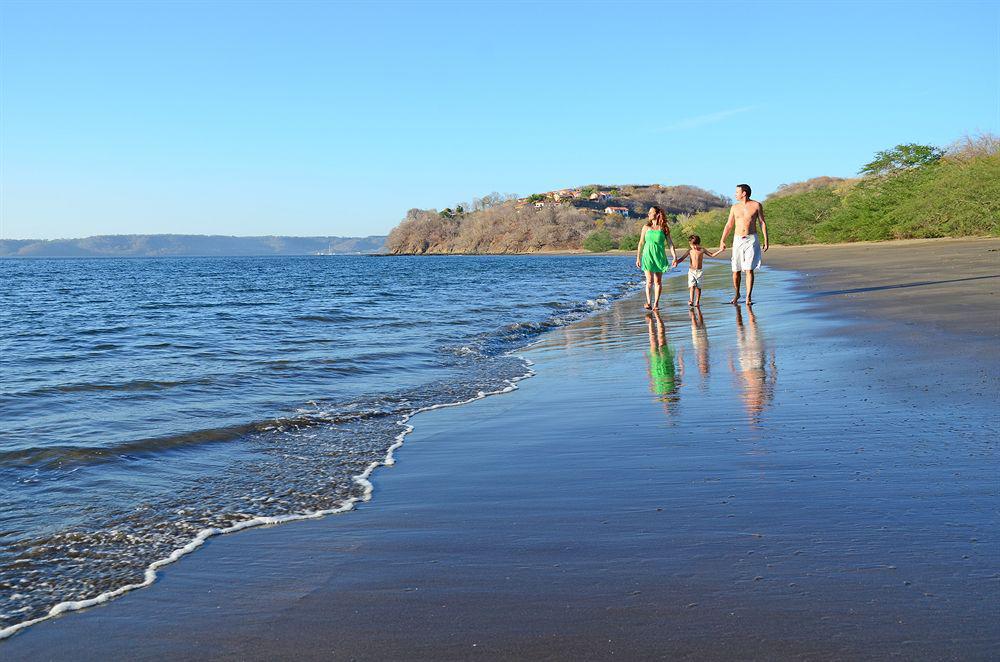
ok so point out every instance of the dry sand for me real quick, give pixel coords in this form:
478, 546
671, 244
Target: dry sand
947, 284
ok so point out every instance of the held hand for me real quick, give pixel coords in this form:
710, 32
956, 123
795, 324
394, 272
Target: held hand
766, 246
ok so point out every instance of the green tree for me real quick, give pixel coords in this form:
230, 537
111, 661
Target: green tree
902, 157
586, 191
629, 242
536, 197
446, 213
599, 241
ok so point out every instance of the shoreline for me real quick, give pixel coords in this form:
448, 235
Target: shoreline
372, 551
363, 479
781, 248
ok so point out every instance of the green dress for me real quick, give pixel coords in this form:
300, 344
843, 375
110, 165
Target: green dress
654, 254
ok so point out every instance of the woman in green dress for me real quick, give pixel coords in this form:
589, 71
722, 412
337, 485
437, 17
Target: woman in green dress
651, 255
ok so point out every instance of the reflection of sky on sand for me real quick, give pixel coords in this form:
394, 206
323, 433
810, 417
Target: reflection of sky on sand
870, 465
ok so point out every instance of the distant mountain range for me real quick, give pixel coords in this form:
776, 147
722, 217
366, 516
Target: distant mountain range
177, 245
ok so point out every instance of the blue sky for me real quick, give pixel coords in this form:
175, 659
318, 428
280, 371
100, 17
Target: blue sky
316, 118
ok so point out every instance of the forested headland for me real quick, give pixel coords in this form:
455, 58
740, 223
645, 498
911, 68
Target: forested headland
598, 217
908, 191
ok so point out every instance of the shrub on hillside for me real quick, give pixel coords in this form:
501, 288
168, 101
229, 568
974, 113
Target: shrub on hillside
707, 225
973, 146
807, 185
900, 158
599, 241
629, 242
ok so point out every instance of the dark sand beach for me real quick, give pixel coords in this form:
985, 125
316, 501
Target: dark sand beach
813, 479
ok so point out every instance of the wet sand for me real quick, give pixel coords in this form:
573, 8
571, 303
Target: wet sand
799, 481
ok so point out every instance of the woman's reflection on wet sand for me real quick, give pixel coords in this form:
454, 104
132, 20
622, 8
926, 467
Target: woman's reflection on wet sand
664, 377
754, 366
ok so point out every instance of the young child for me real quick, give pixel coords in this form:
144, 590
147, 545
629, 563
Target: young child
697, 254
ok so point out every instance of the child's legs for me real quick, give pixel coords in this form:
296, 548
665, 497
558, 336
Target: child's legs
696, 295
690, 293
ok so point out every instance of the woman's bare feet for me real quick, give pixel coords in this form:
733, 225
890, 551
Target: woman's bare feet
646, 306
690, 303
735, 300
749, 301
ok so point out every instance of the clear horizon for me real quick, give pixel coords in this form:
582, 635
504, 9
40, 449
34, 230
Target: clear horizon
317, 119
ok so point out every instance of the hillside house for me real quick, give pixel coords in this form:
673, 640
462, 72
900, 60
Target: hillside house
621, 211
565, 194
600, 196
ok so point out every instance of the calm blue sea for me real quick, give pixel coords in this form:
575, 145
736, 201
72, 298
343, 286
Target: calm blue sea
145, 401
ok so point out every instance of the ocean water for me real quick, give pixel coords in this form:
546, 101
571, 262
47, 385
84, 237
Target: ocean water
149, 403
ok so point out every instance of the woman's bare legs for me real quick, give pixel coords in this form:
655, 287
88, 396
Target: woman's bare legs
649, 285
658, 278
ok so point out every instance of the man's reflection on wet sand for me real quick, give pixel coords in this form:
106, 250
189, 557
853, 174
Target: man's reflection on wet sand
664, 377
754, 366
699, 340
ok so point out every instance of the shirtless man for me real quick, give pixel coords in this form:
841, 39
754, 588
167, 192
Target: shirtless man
743, 216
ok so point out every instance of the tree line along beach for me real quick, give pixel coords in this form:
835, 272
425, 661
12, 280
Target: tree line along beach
905, 192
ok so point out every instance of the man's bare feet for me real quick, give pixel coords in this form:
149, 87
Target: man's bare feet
690, 303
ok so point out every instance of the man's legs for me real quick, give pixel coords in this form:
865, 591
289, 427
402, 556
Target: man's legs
736, 287
750, 287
